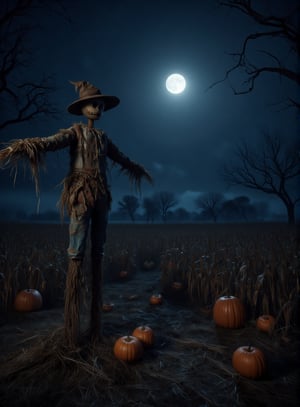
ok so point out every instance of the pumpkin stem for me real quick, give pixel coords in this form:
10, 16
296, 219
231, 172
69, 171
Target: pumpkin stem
249, 348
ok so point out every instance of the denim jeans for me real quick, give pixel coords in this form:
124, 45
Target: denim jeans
80, 220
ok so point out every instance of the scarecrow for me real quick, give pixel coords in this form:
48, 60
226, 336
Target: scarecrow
85, 196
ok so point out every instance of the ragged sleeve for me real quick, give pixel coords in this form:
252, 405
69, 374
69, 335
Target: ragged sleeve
32, 150
133, 170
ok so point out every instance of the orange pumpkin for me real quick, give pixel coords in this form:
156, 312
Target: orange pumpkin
229, 312
265, 323
155, 299
28, 300
249, 361
128, 348
145, 334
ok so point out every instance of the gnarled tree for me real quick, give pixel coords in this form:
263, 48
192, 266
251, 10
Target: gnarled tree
272, 28
274, 169
166, 200
129, 204
22, 97
211, 203
151, 208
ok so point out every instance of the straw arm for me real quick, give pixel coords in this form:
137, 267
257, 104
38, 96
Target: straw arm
133, 170
18, 149
33, 148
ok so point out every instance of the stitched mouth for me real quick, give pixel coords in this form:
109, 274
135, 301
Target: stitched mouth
93, 114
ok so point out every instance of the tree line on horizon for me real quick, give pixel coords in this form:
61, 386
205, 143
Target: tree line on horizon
162, 207
210, 207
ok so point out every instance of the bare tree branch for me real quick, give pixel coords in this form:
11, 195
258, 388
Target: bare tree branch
211, 203
273, 170
166, 200
23, 100
129, 204
274, 27
283, 23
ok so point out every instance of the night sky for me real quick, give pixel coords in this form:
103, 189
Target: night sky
128, 48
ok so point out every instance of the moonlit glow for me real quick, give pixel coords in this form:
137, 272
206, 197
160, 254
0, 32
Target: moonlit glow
175, 83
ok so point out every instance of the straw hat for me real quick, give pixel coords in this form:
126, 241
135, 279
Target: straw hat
88, 93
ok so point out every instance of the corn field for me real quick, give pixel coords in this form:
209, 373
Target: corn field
260, 263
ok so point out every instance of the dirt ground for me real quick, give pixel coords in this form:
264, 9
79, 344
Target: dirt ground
189, 364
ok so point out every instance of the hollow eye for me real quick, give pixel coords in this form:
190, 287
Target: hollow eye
98, 104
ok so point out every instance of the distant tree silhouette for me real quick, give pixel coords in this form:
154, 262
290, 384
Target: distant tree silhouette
129, 204
181, 214
211, 203
22, 99
239, 208
166, 201
151, 208
272, 29
229, 210
275, 170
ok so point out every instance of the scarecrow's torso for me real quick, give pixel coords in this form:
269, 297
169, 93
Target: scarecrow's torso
88, 150
87, 179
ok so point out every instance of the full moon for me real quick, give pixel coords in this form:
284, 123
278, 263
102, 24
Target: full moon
175, 83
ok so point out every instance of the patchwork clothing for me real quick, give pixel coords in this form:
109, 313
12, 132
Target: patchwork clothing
86, 195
